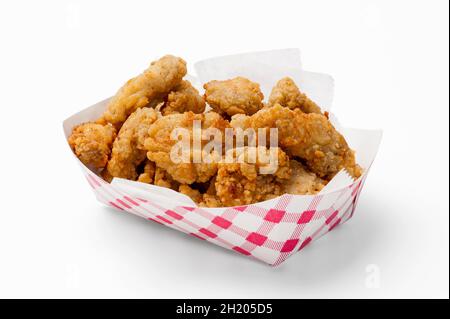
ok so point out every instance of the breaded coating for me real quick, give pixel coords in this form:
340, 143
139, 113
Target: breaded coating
159, 146
92, 144
155, 131
210, 201
239, 121
163, 179
287, 94
148, 174
302, 181
201, 196
243, 181
210, 198
311, 137
194, 194
147, 89
128, 149
184, 98
236, 96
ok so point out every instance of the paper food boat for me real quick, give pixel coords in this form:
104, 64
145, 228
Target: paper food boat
269, 231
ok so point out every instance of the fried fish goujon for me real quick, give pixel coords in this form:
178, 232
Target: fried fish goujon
147, 89
310, 137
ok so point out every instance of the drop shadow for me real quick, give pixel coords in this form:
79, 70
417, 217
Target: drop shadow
318, 265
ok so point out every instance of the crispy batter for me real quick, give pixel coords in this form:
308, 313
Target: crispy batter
309, 136
163, 179
92, 143
239, 121
243, 182
148, 174
147, 142
148, 88
302, 181
287, 94
210, 198
194, 194
203, 197
210, 201
159, 145
184, 98
128, 150
235, 96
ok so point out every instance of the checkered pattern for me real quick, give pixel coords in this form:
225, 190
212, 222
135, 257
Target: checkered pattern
269, 234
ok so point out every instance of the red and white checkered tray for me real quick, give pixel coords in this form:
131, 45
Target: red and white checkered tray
270, 231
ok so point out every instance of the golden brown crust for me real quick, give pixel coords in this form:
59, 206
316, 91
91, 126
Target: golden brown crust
159, 145
128, 150
239, 121
202, 197
147, 89
235, 96
311, 137
287, 94
91, 143
182, 99
242, 182
194, 194
163, 179
142, 148
209, 200
147, 176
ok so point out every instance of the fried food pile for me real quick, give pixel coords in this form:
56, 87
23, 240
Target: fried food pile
136, 138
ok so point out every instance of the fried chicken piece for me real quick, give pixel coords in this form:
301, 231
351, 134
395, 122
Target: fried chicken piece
203, 197
128, 149
163, 179
236, 96
184, 98
302, 181
250, 179
239, 121
161, 147
148, 174
210, 201
147, 89
92, 143
194, 194
210, 198
287, 94
311, 137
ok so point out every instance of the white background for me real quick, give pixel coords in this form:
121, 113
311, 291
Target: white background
390, 63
